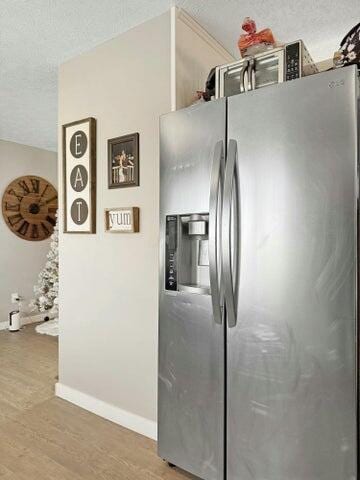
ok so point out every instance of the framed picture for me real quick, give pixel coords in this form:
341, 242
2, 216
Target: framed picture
79, 176
122, 220
123, 161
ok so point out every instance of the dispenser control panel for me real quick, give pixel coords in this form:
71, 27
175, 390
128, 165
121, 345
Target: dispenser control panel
171, 253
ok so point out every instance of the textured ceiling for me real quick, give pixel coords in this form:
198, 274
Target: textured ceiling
38, 35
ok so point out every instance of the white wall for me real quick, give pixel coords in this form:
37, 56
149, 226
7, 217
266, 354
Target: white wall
21, 260
109, 282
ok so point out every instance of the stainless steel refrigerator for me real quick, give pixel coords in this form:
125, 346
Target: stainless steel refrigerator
258, 340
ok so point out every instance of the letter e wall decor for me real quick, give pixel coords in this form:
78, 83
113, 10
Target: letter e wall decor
79, 176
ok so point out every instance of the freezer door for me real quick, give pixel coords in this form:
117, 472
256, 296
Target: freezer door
291, 355
191, 340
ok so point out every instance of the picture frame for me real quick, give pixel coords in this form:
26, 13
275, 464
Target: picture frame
123, 161
79, 176
122, 220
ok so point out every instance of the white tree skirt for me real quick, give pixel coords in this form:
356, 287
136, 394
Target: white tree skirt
49, 328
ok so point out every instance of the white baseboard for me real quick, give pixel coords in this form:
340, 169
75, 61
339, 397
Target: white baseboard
110, 412
26, 320
4, 325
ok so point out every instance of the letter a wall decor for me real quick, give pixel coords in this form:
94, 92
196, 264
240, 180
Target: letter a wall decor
79, 176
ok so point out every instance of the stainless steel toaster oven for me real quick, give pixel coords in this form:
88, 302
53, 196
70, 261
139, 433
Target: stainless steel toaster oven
267, 68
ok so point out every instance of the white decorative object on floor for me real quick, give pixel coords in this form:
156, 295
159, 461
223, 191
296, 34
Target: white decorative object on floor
15, 315
14, 321
49, 328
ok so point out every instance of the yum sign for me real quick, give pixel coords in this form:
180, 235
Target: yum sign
122, 220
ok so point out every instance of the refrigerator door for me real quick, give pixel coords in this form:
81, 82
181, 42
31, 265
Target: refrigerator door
191, 338
291, 354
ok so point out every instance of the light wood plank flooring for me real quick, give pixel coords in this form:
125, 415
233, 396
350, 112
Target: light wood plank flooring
45, 438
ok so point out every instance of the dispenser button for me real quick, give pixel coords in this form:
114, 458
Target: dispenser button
197, 227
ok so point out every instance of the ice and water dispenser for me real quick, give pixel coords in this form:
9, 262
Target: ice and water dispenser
187, 253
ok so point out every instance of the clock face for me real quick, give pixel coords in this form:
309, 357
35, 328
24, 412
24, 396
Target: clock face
29, 206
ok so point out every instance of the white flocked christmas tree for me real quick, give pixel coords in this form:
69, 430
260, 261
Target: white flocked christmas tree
46, 290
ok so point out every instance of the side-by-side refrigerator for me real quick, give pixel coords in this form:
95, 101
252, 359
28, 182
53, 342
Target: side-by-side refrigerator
258, 336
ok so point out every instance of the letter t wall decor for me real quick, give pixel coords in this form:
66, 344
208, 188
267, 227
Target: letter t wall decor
79, 176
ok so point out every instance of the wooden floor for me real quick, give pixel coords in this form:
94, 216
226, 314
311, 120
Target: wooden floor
43, 437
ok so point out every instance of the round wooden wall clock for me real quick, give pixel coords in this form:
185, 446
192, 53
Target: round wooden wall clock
29, 207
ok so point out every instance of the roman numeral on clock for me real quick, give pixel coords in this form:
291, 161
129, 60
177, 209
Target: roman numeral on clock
51, 199
43, 193
35, 183
12, 207
12, 192
45, 229
14, 219
50, 220
24, 186
34, 231
23, 228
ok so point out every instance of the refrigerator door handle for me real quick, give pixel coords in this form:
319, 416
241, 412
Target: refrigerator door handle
215, 212
230, 225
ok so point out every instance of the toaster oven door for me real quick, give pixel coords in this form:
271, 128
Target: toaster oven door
232, 79
266, 69
250, 73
